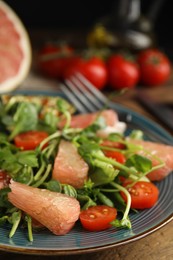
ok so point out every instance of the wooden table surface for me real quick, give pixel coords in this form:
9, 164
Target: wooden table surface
156, 246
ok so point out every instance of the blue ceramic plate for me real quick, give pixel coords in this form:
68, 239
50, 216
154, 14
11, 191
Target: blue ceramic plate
78, 240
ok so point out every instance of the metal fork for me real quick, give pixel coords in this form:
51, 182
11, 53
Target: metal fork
86, 98
83, 94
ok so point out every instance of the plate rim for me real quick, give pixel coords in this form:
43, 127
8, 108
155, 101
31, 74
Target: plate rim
42, 251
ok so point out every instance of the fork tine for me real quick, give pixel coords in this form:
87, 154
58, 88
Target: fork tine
80, 95
69, 94
83, 94
89, 98
92, 88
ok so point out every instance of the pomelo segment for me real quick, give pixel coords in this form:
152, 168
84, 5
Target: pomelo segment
56, 211
15, 50
85, 120
162, 151
70, 167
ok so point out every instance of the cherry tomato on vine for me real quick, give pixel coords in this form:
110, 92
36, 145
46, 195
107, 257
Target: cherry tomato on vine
93, 68
143, 194
53, 58
97, 218
30, 140
122, 72
155, 67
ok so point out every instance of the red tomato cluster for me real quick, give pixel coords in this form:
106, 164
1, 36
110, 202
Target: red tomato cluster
149, 67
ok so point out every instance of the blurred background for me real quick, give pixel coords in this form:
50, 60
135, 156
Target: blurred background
152, 15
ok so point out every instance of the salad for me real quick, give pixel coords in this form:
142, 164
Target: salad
58, 168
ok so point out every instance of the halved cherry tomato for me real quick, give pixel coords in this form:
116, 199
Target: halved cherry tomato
118, 156
98, 217
30, 140
143, 194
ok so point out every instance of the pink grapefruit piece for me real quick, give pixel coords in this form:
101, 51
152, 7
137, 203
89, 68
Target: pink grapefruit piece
15, 49
153, 151
56, 211
85, 120
69, 167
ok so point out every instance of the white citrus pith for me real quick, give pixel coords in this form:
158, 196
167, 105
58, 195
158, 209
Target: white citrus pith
15, 50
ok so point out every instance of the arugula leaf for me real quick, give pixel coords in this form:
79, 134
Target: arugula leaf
116, 137
7, 121
69, 190
14, 162
86, 149
9, 162
137, 135
4, 202
3, 138
25, 175
141, 163
51, 121
25, 119
85, 201
63, 107
53, 185
103, 175
28, 158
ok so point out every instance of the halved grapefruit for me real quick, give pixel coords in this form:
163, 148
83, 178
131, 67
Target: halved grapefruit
15, 49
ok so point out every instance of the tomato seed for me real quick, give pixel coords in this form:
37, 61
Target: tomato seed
92, 216
105, 211
133, 191
146, 189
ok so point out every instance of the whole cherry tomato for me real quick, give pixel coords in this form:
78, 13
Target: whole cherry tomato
122, 72
93, 68
53, 58
155, 67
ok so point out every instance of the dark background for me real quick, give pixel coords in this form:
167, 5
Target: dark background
82, 14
